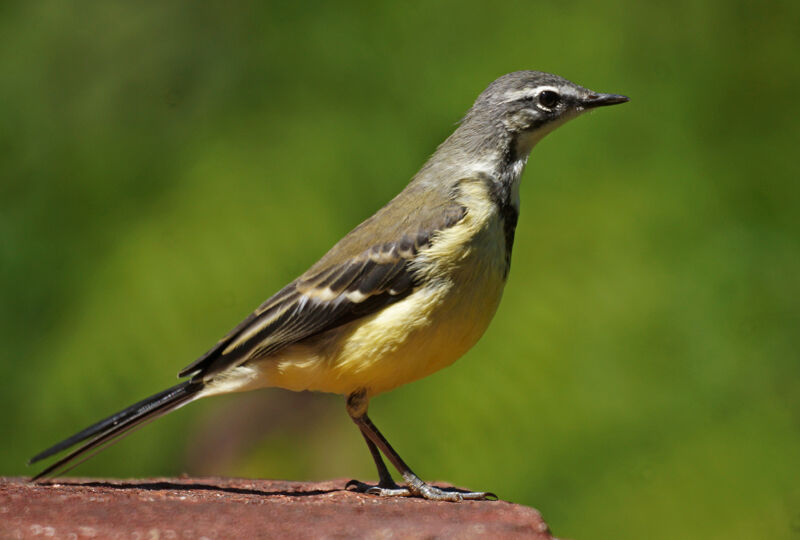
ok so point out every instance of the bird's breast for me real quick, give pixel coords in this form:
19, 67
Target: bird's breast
461, 276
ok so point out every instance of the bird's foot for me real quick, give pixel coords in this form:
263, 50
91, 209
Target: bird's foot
421, 490
433, 493
384, 489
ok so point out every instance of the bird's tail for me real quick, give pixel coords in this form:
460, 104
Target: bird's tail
112, 428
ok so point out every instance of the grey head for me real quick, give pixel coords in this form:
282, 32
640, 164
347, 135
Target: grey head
520, 108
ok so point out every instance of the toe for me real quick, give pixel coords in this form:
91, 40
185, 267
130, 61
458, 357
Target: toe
480, 496
389, 492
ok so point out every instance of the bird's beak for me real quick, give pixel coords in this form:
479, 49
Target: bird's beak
601, 100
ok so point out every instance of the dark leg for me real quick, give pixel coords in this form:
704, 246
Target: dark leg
357, 408
384, 475
385, 482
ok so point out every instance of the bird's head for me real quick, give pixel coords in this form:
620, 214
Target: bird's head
527, 105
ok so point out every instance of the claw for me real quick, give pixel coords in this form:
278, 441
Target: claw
480, 496
356, 484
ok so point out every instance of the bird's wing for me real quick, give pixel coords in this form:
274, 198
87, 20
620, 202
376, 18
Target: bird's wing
343, 286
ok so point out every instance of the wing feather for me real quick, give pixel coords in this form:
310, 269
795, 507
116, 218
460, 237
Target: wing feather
335, 291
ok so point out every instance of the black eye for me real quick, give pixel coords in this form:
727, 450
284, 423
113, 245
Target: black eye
548, 98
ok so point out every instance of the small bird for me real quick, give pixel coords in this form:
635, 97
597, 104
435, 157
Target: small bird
404, 294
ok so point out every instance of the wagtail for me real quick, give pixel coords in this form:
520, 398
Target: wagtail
404, 294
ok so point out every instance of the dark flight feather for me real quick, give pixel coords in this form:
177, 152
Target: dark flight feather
325, 296
116, 425
348, 283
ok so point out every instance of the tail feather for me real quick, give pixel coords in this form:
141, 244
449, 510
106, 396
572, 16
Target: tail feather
117, 425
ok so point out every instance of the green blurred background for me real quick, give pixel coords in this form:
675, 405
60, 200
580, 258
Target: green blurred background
165, 166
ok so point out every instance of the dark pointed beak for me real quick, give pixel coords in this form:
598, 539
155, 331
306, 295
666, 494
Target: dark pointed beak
601, 100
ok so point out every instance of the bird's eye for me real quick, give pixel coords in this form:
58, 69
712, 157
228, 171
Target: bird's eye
548, 99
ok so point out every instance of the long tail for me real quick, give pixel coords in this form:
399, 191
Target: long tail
112, 428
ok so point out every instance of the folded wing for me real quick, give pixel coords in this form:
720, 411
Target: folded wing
322, 299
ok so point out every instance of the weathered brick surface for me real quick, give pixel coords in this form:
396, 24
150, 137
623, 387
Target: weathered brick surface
195, 508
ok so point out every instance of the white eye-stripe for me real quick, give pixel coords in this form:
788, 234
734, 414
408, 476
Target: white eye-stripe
514, 95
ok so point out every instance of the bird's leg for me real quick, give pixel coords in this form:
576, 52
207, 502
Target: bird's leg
385, 483
385, 477
415, 487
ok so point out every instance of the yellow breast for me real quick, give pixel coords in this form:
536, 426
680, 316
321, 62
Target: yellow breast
463, 277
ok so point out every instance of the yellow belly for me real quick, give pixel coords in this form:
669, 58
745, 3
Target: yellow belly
427, 331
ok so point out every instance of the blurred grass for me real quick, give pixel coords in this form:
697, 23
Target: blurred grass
167, 166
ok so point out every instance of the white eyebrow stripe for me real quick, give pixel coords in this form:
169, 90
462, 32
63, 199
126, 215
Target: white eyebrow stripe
528, 92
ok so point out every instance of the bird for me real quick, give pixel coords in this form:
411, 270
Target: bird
404, 294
